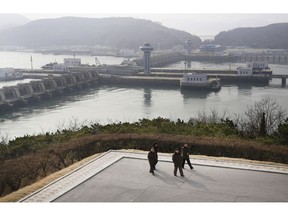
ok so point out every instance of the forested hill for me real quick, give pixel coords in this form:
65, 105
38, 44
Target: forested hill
117, 32
273, 36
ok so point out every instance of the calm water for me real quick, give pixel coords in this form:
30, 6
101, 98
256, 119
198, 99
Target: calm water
106, 104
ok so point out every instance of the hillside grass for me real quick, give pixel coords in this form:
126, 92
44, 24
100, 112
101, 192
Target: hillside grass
23, 192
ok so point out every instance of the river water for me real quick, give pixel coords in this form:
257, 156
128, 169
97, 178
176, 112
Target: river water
107, 104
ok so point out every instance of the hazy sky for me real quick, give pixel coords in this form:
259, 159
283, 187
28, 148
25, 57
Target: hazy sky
208, 17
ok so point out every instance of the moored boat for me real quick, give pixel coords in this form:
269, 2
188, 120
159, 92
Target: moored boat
199, 81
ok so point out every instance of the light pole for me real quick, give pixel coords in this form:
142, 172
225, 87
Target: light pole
31, 62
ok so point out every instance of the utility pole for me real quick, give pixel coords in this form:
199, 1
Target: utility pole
31, 62
74, 58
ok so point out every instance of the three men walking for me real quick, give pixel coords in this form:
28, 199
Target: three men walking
178, 159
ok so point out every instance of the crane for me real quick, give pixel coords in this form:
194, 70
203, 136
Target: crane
97, 62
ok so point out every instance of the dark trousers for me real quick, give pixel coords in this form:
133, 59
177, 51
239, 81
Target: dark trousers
152, 167
188, 161
176, 167
155, 164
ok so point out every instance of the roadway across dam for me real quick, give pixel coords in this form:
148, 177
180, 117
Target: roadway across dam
123, 176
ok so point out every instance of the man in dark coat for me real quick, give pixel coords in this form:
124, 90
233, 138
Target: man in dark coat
185, 155
177, 160
155, 146
152, 160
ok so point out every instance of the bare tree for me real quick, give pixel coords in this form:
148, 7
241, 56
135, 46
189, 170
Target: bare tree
72, 124
212, 116
274, 115
4, 138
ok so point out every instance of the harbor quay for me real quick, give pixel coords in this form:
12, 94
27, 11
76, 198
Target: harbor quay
50, 84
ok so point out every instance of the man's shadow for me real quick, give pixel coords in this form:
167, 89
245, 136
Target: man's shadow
196, 184
197, 173
168, 178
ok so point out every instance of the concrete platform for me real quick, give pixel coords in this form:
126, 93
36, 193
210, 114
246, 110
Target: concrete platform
121, 176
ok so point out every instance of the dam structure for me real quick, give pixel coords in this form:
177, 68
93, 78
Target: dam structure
271, 58
145, 71
49, 86
166, 58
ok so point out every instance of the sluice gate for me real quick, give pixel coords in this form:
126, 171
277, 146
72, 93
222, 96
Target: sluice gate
48, 86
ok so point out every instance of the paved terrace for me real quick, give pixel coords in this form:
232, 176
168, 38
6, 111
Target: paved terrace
123, 176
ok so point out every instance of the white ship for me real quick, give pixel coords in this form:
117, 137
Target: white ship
7, 74
254, 69
199, 81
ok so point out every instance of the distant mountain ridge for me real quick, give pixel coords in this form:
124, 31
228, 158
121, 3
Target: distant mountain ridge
274, 36
116, 32
9, 20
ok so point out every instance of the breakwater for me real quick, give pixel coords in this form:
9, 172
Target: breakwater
24, 93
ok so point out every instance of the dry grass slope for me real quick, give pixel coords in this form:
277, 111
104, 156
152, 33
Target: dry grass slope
21, 193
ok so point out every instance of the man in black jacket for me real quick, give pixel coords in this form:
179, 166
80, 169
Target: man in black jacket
185, 155
177, 160
155, 146
152, 160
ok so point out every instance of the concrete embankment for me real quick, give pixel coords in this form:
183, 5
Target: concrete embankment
235, 79
141, 80
164, 79
24, 93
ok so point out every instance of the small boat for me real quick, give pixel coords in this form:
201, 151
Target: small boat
258, 68
7, 74
199, 81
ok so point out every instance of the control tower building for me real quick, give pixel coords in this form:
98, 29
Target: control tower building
147, 49
188, 46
